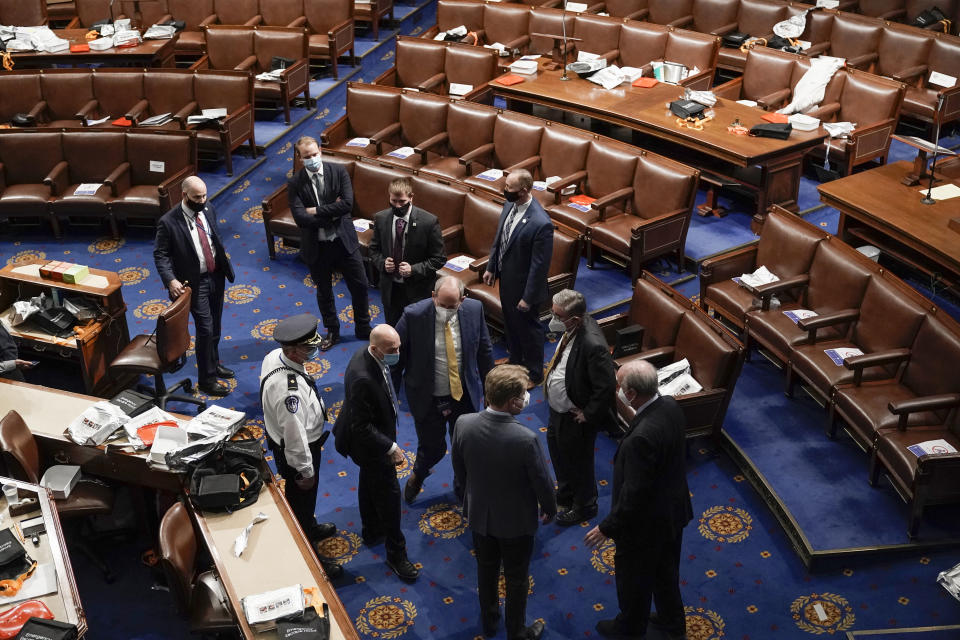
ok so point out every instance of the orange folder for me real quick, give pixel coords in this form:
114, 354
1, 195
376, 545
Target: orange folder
509, 79
122, 122
79, 48
775, 117
645, 83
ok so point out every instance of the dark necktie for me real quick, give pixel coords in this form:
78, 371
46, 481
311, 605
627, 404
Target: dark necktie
318, 185
507, 232
205, 245
398, 241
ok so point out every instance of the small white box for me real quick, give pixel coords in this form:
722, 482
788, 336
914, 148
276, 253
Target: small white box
61, 479
870, 251
167, 439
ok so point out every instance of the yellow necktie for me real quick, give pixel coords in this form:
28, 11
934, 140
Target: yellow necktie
453, 369
556, 356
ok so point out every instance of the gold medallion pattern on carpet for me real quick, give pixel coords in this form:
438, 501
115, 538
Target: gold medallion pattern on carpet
443, 521
724, 523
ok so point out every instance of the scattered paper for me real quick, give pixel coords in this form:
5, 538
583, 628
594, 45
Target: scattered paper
150, 416
241, 542
87, 188
586, 56
943, 192
931, 447
459, 263
759, 277
215, 421
96, 423
840, 354
676, 379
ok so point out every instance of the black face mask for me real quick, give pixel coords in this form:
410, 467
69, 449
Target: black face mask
400, 211
196, 207
511, 196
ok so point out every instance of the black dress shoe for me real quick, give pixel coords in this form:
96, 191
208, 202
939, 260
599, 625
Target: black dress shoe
322, 531
491, 625
574, 516
404, 569
223, 372
215, 389
329, 340
534, 631
412, 489
332, 569
612, 629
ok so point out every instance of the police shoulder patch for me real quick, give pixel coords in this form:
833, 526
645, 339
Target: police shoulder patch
292, 403
291, 382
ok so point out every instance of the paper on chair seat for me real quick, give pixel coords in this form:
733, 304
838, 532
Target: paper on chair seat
358, 142
361, 224
491, 174
577, 7
676, 379
840, 354
759, 277
402, 153
459, 263
87, 188
459, 89
932, 447
799, 314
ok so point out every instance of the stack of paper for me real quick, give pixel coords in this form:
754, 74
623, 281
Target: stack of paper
459, 263
270, 605
150, 416
160, 32
215, 421
458, 89
491, 174
932, 448
96, 423
524, 66
402, 153
157, 120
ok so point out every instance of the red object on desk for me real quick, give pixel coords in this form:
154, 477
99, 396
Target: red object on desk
582, 200
509, 79
79, 48
775, 117
12, 620
122, 122
645, 83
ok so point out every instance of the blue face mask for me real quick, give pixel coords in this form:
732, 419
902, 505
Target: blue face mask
313, 164
391, 359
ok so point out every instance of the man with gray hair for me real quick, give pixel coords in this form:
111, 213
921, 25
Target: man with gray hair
649, 509
580, 388
520, 259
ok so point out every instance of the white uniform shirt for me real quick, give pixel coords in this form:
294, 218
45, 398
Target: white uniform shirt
556, 387
195, 236
441, 374
292, 416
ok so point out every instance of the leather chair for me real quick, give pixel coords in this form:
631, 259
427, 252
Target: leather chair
454, 13
902, 54
551, 23
197, 14
474, 66
641, 43
629, 9
855, 38
169, 93
238, 12
330, 23
370, 195
369, 111
91, 11
68, 98
88, 157
673, 13
884, 9
446, 201
563, 153
715, 357
786, 248
716, 17
283, 13
469, 130
836, 282
608, 171
24, 190
21, 457
234, 92
141, 191
656, 221
515, 144
118, 92
23, 13
756, 18
887, 320
160, 352
419, 65
421, 119
20, 93
600, 36
922, 98
194, 598
765, 80
373, 12
506, 24
562, 274
143, 12
474, 238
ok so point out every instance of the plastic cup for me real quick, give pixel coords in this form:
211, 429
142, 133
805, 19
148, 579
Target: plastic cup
10, 493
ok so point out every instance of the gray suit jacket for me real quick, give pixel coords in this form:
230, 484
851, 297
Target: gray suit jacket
501, 467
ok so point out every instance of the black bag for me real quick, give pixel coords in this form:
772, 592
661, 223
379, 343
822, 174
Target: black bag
239, 458
42, 629
928, 17
735, 39
778, 130
279, 62
179, 25
687, 109
782, 44
132, 402
14, 560
24, 120
306, 626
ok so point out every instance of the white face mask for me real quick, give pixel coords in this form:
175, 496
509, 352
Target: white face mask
556, 325
445, 315
526, 400
623, 397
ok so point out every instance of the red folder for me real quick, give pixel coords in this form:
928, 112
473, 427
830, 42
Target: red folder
645, 83
79, 48
122, 122
509, 79
775, 117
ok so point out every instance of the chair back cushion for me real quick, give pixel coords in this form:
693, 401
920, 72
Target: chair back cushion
666, 11
235, 12
787, 244
229, 46
19, 448
454, 13
442, 200
90, 11
371, 182
932, 369
222, 89
710, 15
661, 186
854, 36
176, 150
889, 316
418, 60
286, 43
66, 92
19, 93
480, 219
168, 91
44, 146
323, 15
563, 151
657, 313
757, 17
547, 22
117, 90
193, 12
505, 22
609, 167
421, 117
641, 42
711, 357
23, 13
173, 329
837, 279
600, 34
469, 126
902, 48
93, 155
370, 109
178, 554
150, 12
280, 13
867, 99
466, 64
515, 138
766, 72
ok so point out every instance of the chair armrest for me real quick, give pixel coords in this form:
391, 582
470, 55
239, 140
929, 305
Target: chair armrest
549, 4
728, 265
133, 115
924, 403
528, 164
188, 109
246, 64
480, 264
601, 204
170, 188
203, 62
57, 178
611, 56
871, 141
699, 81
209, 20
875, 359
470, 157
273, 203
38, 110
238, 125
557, 187
432, 82
774, 99
74, 23
430, 143
730, 90
895, 14
812, 325
823, 111
335, 133
119, 179
517, 43
338, 32
905, 75
862, 60
816, 49
681, 22
767, 291
299, 22
254, 21
724, 30
639, 14
660, 354
663, 217
597, 8
386, 132
86, 110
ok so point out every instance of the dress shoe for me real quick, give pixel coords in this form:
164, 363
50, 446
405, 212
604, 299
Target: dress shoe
611, 629
214, 389
491, 625
223, 372
332, 569
329, 340
574, 516
412, 489
404, 569
534, 631
322, 531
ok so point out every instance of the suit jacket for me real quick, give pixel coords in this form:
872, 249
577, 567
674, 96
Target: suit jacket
590, 379
422, 248
501, 467
366, 427
174, 252
332, 214
416, 328
650, 494
526, 261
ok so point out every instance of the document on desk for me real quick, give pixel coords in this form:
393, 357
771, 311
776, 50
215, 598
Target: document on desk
270, 605
943, 192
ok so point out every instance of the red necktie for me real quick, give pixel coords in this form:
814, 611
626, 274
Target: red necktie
205, 245
398, 241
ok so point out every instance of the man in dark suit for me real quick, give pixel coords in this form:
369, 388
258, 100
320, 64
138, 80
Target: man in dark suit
500, 465
406, 250
188, 251
446, 356
581, 389
650, 508
366, 430
321, 201
520, 259
10, 362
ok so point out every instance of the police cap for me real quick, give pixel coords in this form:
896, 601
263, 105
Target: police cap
299, 329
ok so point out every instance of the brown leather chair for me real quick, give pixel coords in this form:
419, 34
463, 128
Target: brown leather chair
144, 13
884, 9
474, 238
515, 145
474, 66
902, 53
161, 352
369, 112
419, 65
716, 17
330, 23
68, 98
630, 9
922, 97
194, 599
23, 13
141, 190
641, 43
20, 93
283, 13
446, 201
454, 13
673, 13
238, 12
25, 192
506, 24
91, 11
756, 18
233, 91
562, 153
21, 457
373, 12
600, 36
422, 118
854, 38
655, 222
550, 23
469, 130
197, 14
765, 80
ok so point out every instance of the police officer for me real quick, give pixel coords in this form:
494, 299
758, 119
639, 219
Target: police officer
294, 415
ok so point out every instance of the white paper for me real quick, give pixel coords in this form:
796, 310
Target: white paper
402, 153
150, 416
491, 174
608, 77
158, 166
361, 224
577, 7
531, 56
93, 123
215, 421
158, 119
459, 89
524, 66
585, 56
459, 263
942, 79
271, 605
932, 447
943, 192
759, 277
799, 314
747, 103
244, 538
840, 354
41, 583
828, 4
675, 379
96, 423
167, 439
87, 188
358, 142
220, 112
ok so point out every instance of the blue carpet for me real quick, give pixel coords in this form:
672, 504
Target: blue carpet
709, 235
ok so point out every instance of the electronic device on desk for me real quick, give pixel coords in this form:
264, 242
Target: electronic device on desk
56, 321
628, 341
82, 308
685, 109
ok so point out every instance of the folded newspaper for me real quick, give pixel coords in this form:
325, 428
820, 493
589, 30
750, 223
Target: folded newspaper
96, 424
215, 421
759, 277
270, 76
160, 32
676, 379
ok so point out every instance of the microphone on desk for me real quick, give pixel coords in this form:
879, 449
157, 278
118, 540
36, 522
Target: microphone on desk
928, 199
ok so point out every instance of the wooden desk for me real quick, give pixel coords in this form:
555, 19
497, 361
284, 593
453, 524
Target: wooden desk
149, 53
65, 603
48, 411
94, 345
876, 208
769, 168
